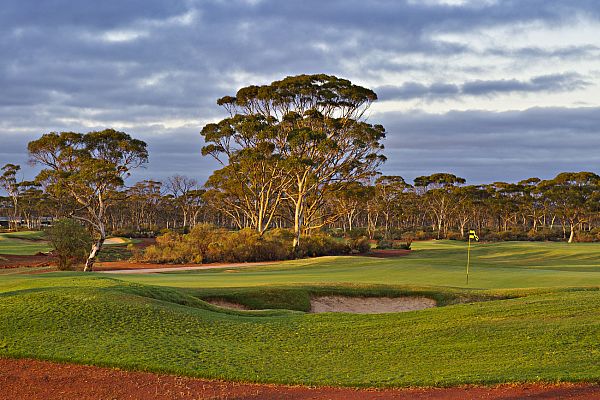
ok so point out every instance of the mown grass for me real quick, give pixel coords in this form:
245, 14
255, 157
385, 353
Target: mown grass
549, 336
23, 243
533, 315
32, 242
436, 263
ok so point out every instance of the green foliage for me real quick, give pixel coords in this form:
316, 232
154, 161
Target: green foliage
545, 234
360, 245
321, 244
385, 244
71, 242
208, 244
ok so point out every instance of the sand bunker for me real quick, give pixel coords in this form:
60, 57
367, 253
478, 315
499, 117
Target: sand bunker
227, 304
355, 305
115, 240
369, 305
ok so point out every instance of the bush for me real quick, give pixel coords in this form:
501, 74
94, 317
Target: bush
357, 233
71, 242
208, 244
545, 234
360, 245
385, 244
585, 237
319, 244
455, 236
403, 246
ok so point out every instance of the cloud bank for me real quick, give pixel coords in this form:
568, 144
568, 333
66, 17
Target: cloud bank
488, 89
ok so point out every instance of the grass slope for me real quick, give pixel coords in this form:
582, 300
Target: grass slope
102, 321
541, 331
23, 243
441, 263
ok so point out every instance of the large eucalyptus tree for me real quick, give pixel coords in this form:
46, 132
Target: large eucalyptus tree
89, 168
306, 134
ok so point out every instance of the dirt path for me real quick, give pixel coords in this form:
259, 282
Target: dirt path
125, 267
31, 379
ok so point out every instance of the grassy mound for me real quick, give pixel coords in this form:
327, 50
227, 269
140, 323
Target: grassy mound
23, 243
549, 335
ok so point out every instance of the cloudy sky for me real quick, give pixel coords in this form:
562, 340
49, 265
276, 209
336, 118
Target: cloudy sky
489, 90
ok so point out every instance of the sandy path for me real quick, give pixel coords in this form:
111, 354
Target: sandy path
120, 267
31, 379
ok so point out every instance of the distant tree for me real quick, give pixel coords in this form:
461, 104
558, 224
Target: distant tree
349, 202
9, 182
184, 193
144, 199
70, 241
33, 202
465, 199
574, 196
438, 190
389, 191
89, 168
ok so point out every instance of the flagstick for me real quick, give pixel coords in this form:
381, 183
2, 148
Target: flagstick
468, 259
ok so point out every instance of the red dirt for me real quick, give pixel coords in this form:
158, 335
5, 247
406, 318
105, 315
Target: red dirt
32, 379
116, 266
10, 261
389, 253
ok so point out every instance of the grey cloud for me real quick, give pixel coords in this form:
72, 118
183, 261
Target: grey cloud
441, 91
487, 146
57, 73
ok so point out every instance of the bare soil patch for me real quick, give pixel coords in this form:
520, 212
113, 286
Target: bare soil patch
32, 379
115, 240
369, 305
14, 261
227, 304
391, 253
128, 267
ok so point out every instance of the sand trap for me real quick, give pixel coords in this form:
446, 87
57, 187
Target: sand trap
369, 305
115, 240
227, 304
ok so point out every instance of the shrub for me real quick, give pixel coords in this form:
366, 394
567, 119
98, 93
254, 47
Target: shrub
455, 236
357, 233
319, 244
206, 243
585, 237
360, 245
385, 244
545, 234
71, 242
403, 246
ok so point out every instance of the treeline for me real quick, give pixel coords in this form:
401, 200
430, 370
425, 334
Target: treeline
440, 206
296, 154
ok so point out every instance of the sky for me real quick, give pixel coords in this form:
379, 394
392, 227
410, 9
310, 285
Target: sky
488, 90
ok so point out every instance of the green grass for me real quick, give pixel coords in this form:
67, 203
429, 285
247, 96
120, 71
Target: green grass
533, 315
33, 242
438, 263
23, 243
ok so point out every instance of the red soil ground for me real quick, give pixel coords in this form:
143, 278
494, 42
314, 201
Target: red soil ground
389, 253
10, 261
31, 379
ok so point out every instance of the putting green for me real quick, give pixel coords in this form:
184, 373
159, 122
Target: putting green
436, 263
